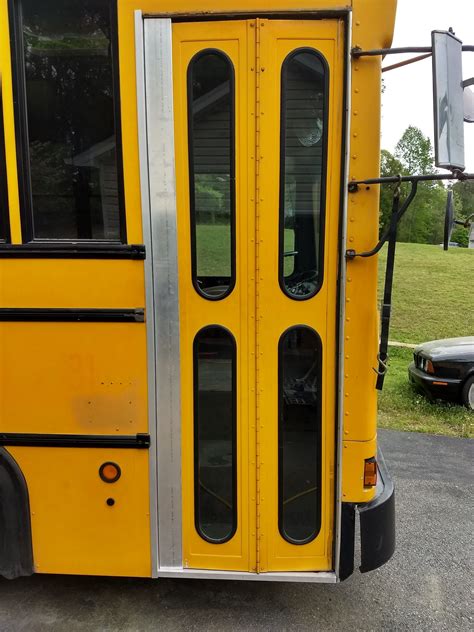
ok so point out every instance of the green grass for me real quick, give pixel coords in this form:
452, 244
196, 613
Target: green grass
433, 292
402, 408
432, 298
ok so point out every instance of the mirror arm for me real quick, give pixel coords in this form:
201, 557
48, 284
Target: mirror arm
357, 52
352, 254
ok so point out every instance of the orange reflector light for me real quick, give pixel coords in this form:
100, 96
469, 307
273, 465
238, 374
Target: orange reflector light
429, 367
370, 472
440, 383
110, 472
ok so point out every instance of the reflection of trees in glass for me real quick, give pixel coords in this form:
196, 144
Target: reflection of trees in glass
69, 86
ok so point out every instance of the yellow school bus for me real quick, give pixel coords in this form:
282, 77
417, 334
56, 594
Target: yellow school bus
186, 354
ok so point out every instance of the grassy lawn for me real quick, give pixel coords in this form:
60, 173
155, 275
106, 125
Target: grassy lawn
433, 292
432, 298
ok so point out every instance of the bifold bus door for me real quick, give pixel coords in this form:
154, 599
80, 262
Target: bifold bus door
248, 386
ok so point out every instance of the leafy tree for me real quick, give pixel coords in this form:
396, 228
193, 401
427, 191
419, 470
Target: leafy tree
415, 152
423, 222
389, 166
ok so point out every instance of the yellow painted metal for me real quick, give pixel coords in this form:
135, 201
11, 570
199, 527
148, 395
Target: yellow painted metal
354, 454
85, 283
74, 530
74, 378
276, 312
373, 24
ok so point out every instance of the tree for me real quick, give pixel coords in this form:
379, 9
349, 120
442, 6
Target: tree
389, 166
415, 152
423, 222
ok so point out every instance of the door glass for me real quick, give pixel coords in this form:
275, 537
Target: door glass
299, 437
72, 129
211, 172
214, 436
302, 176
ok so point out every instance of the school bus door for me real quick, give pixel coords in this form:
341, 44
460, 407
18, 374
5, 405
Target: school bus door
257, 122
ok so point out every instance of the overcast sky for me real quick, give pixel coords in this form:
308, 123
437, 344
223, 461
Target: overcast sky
408, 90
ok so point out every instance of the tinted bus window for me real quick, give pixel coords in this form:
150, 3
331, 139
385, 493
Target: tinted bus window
211, 172
215, 434
70, 139
299, 436
302, 175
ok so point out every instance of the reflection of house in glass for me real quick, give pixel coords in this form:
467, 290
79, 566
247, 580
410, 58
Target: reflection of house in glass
102, 156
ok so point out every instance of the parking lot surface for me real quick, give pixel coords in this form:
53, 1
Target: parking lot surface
426, 586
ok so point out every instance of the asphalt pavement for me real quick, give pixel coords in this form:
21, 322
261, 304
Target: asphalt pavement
426, 586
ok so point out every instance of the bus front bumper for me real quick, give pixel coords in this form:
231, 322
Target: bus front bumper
377, 527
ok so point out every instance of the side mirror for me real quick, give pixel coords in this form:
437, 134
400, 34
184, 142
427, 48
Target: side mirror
448, 100
448, 220
468, 86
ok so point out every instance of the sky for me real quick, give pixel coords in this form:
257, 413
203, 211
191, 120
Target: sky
408, 96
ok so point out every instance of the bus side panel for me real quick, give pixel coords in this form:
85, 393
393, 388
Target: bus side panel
372, 28
74, 529
73, 378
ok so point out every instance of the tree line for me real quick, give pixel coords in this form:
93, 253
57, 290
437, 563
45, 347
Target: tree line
424, 221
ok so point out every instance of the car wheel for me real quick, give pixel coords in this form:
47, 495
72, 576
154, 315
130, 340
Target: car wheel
468, 393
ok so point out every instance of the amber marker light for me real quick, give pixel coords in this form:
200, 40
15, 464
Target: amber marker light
110, 472
370, 472
429, 367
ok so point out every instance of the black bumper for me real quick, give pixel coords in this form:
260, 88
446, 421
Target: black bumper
432, 386
377, 522
377, 527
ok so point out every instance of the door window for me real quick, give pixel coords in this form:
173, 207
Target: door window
303, 172
211, 172
214, 434
299, 437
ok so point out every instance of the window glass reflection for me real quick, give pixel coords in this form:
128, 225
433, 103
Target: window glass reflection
302, 173
71, 122
300, 435
214, 391
211, 146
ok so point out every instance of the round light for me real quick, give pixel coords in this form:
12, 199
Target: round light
110, 472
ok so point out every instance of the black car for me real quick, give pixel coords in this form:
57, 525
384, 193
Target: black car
445, 369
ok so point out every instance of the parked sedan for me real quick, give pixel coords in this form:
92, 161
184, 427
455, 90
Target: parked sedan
445, 369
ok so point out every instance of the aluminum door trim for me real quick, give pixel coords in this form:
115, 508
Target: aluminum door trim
157, 158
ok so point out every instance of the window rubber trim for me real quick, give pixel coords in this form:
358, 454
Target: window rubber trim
4, 208
322, 222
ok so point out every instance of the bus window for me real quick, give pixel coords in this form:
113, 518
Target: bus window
211, 172
215, 434
299, 436
302, 173
4, 223
73, 189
